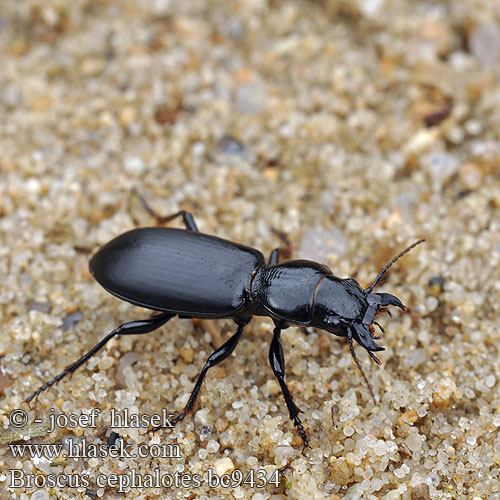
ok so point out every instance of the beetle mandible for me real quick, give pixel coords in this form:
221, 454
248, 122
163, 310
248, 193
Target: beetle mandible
185, 273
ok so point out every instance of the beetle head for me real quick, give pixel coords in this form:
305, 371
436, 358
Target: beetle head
337, 303
343, 308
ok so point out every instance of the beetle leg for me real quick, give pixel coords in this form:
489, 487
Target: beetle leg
277, 362
187, 217
274, 258
215, 358
286, 249
130, 328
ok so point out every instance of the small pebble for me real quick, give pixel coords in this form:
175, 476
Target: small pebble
223, 465
420, 492
341, 473
40, 495
485, 44
212, 446
71, 320
186, 352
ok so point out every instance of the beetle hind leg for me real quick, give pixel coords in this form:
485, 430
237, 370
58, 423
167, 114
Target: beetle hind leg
131, 328
277, 362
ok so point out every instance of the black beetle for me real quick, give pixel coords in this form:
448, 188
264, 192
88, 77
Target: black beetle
189, 274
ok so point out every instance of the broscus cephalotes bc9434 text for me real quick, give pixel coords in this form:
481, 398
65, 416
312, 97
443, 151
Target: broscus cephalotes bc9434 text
189, 274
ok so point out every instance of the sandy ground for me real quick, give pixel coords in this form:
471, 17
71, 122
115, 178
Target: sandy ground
353, 126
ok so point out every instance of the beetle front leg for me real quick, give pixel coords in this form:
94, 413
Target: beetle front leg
215, 358
131, 328
277, 362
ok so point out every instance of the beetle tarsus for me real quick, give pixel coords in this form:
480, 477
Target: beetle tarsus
302, 432
174, 422
178, 418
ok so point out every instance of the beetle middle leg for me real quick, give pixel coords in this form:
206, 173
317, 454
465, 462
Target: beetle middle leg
285, 250
187, 217
277, 362
131, 328
214, 359
274, 258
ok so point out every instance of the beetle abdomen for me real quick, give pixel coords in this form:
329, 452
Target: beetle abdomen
175, 270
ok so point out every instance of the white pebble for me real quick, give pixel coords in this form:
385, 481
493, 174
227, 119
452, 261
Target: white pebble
258, 496
370, 8
377, 483
134, 165
485, 44
380, 448
223, 465
434, 478
300, 468
250, 99
213, 446
471, 441
32, 185
440, 166
348, 430
402, 471
40, 495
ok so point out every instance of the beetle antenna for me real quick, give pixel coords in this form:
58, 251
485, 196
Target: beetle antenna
387, 266
353, 354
